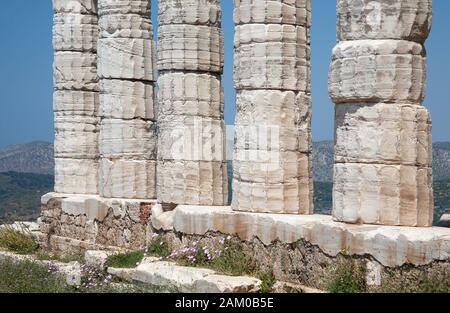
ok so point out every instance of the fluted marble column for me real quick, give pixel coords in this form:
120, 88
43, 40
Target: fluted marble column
383, 147
127, 130
75, 98
191, 131
272, 153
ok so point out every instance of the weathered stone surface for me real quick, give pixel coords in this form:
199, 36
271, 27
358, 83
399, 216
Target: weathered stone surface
287, 197
125, 26
76, 137
96, 259
383, 134
191, 94
187, 182
444, 221
262, 33
273, 120
131, 179
272, 65
75, 71
76, 103
124, 99
272, 12
190, 47
125, 58
75, 6
195, 280
76, 176
191, 138
127, 139
383, 194
162, 220
108, 7
377, 71
193, 12
402, 19
391, 246
75, 32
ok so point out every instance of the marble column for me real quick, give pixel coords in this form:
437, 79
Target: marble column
75, 98
383, 147
127, 129
272, 153
192, 166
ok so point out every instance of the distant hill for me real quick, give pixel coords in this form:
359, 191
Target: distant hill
35, 157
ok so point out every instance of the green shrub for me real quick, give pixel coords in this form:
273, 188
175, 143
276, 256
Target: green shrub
29, 277
125, 260
267, 281
18, 241
347, 277
159, 247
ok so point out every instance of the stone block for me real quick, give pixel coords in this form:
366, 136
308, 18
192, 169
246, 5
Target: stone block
125, 58
125, 99
130, 179
272, 65
108, 7
297, 12
263, 33
76, 137
377, 71
75, 6
192, 12
125, 26
383, 134
190, 47
75, 32
191, 138
396, 195
402, 19
127, 139
77, 176
191, 94
186, 182
75, 102
75, 71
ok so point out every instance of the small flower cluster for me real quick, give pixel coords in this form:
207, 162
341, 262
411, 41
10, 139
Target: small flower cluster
94, 278
196, 253
52, 267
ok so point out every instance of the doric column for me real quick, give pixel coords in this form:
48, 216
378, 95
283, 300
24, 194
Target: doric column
75, 99
128, 129
383, 148
272, 153
191, 132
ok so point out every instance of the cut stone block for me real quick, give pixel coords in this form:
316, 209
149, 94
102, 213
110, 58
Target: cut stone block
193, 12
191, 138
263, 33
127, 138
125, 99
131, 179
186, 182
294, 197
124, 58
73, 102
75, 71
396, 195
273, 65
383, 134
107, 7
377, 71
272, 12
76, 137
190, 94
402, 19
125, 26
76, 176
75, 32
190, 47
75, 6
273, 120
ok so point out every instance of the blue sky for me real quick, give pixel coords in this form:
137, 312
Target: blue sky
26, 69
